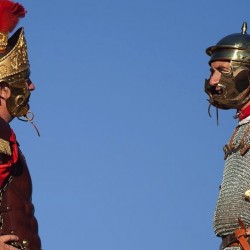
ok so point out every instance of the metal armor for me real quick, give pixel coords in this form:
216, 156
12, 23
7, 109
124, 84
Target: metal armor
235, 84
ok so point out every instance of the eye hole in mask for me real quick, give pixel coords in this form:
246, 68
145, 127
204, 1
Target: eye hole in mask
228, 73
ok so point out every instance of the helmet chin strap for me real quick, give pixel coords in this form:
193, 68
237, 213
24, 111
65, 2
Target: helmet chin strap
29, 118
217, 112
26, 118
236, 116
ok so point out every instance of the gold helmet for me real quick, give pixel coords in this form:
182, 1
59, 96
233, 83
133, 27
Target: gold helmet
14, 63
235, 84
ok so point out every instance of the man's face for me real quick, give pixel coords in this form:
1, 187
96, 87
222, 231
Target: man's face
228, 85
217, 69
18, 102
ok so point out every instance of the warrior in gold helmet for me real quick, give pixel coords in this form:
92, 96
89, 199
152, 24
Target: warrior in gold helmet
18, 225
228, 87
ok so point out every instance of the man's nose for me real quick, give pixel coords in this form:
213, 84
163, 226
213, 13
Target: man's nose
214, 78
31, 86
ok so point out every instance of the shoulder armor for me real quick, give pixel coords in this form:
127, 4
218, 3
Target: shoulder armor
5, 137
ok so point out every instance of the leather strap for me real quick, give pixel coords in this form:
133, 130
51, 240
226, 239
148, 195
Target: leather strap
228, 240
241, 234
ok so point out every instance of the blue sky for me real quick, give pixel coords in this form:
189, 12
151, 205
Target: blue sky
128, 158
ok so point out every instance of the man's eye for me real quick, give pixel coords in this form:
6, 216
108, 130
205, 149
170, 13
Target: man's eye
226, 72
224, 69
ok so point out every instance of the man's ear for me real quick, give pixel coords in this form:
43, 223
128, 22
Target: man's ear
5, 92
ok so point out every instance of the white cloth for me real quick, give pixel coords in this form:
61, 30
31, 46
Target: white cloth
244, 121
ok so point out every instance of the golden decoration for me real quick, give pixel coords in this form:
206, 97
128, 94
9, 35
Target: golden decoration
5, 147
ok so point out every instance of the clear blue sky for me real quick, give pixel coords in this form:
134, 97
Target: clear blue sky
128, 158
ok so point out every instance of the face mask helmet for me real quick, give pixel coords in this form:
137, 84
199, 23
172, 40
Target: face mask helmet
234, 85
14, 63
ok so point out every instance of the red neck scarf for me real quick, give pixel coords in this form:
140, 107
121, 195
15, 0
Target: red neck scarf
242, 114
5, 167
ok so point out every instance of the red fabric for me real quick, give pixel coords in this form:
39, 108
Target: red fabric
5, 168
244, 113
10, 13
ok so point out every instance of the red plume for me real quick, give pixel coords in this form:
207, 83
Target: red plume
10, 13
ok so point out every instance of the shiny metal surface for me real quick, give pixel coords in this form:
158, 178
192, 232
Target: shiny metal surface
235, 47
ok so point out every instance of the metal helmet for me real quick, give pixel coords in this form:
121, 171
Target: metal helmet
14, 63
234, 47
235, 84
14, 71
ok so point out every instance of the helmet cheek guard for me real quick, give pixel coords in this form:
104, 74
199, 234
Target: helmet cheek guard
235, 85
234, 89
18, 102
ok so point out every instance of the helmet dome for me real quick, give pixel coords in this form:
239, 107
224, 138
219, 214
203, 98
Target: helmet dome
234, 47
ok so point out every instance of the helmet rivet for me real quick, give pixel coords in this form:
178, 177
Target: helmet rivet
244, 28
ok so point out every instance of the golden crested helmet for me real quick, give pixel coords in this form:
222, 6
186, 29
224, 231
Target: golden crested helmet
14, 63
14, 70
234, 85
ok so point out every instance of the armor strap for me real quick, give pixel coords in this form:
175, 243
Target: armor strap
241, 234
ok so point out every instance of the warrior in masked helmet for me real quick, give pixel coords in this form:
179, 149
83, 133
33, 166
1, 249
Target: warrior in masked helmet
18, 225
228, 87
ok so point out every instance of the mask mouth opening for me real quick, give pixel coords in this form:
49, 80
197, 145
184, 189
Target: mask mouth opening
215, 90
219, 90
220, 93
